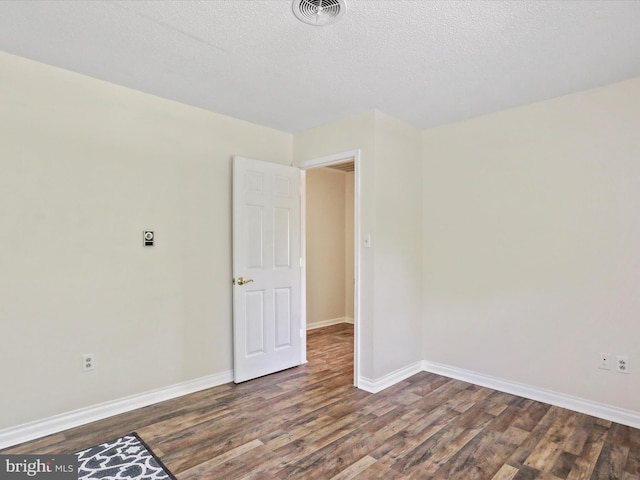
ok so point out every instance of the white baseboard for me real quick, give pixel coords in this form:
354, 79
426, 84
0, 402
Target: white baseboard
40, 428
331, 321
577, 404
379, 384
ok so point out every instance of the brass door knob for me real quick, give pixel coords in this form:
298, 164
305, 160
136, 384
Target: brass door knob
242, 280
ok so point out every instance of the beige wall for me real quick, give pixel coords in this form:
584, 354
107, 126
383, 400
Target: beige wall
85, 166
327, 247
397, 244
531, 243
390, 172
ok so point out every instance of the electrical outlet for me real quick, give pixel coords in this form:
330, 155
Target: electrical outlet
604, 361
88, 362
622, 364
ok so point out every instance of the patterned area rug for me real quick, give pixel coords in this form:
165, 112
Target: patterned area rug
126, 457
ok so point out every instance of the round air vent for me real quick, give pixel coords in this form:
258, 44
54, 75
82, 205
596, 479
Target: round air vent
318, 12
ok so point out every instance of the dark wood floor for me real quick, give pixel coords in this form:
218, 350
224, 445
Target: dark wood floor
309, 422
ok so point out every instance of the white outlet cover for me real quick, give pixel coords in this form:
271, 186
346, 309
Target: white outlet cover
622, 364
88, 362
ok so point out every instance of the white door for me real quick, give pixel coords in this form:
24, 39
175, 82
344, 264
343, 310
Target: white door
267, 312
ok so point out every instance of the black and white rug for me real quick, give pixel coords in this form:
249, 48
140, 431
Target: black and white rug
126, 457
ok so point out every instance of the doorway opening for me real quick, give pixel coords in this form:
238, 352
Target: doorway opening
348, 163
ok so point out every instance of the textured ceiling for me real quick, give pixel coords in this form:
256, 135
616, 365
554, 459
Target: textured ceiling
426, 62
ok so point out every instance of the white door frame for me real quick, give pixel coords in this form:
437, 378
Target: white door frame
325, 161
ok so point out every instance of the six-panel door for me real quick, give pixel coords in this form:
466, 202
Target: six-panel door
266, 256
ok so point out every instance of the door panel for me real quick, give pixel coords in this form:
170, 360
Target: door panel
266, 254
254, 318
253, 232
283, 317
282, 244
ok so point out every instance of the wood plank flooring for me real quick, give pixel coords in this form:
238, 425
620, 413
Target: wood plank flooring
309, 422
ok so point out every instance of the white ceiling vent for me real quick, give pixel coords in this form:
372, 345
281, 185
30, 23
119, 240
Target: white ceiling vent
319, 12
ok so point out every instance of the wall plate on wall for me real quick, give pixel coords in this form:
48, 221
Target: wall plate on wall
147, 238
